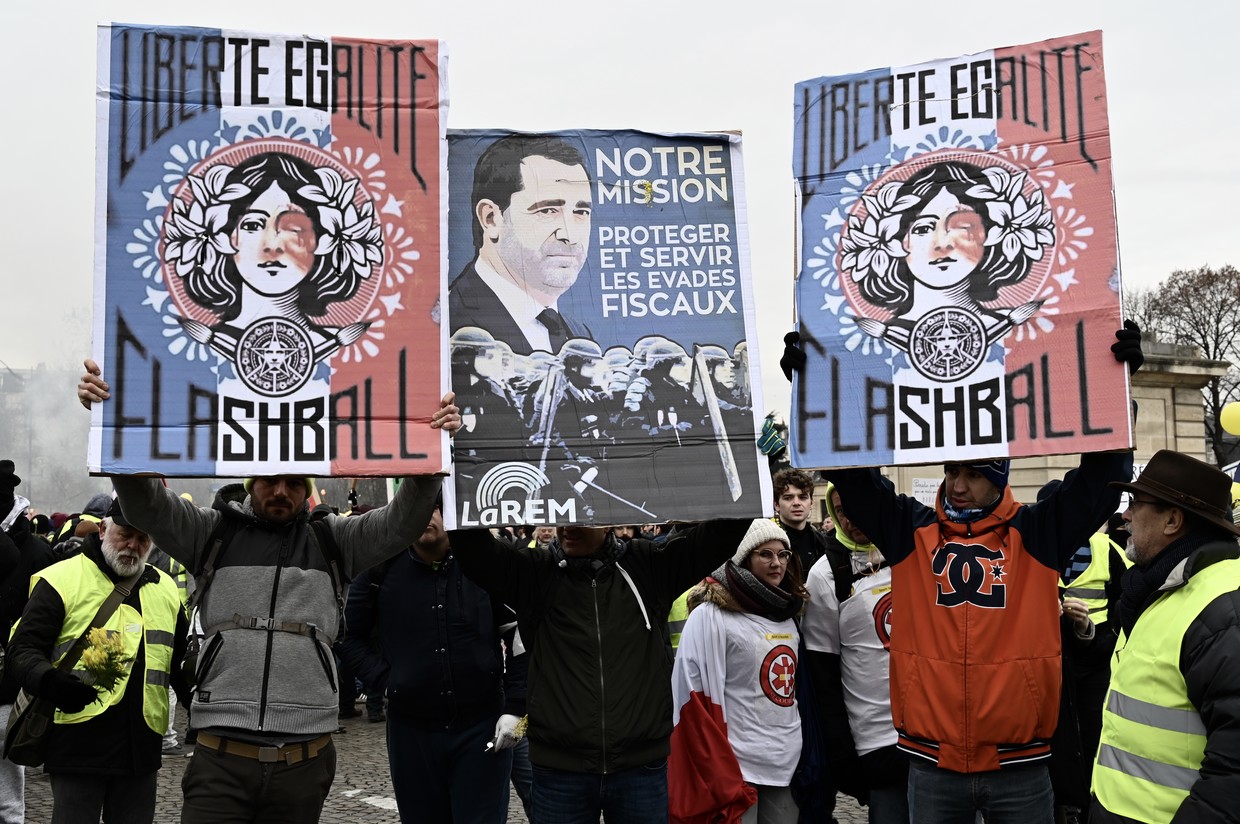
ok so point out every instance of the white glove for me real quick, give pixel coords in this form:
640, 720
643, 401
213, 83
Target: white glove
505, 733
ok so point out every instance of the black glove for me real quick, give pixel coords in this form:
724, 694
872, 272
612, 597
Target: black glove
1127, 346
793, 359
66, 691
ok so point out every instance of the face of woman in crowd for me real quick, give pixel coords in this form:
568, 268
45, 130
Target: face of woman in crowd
769, 562
945, 241
275, 242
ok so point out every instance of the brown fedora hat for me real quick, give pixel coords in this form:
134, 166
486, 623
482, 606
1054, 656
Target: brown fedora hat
1190, 484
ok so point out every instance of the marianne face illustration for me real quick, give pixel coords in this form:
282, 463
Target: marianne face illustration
267, 246
944, 243
275, 241
934, 250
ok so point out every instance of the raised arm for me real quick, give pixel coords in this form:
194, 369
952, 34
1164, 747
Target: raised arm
175, 525
1055, 527
511, 576
689, 555
373, 537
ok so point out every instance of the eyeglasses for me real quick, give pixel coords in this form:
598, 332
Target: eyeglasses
766, 556
1134, 502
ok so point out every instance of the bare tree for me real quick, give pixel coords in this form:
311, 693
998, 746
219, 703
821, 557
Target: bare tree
1199, 307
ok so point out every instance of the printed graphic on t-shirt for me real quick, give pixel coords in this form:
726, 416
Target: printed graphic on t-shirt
778, 675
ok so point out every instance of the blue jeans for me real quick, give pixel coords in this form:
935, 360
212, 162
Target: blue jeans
522, 778
889, 805
1015, 795
445, 776
634, 796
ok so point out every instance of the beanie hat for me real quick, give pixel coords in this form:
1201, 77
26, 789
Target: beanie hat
994, 471
759, 532
98, 505
8, 476
249, 482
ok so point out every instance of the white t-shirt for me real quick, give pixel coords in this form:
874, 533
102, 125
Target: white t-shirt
757, 659
859, 631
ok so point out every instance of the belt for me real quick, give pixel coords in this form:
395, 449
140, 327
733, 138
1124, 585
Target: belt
289, 753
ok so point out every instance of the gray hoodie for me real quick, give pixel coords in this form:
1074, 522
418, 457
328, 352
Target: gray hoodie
273, 683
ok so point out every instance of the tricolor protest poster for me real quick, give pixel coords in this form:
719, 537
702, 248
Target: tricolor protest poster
958, 286
602, 329
269, 249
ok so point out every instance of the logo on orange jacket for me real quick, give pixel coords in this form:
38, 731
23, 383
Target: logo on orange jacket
970, 574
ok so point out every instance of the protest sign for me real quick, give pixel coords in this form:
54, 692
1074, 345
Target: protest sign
632, 400
958, 286
269, 253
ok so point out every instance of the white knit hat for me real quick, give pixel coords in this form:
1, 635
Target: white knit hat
760, 531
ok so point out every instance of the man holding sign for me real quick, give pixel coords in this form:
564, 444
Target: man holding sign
975, 654
265, 701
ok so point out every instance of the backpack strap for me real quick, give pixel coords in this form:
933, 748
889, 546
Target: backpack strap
219, 538
222, 535
841, 571
321, 534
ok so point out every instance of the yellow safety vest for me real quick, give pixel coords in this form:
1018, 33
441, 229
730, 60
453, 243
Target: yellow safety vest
83, 586
71, 524
677, 617
1153, 739
1090, 585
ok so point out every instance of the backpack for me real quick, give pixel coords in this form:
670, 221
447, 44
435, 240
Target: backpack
218, 541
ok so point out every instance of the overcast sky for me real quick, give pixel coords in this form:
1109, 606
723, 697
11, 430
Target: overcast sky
684, 65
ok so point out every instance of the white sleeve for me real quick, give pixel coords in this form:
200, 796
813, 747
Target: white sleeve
820, 625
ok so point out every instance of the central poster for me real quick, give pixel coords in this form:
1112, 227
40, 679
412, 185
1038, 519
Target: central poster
602, 329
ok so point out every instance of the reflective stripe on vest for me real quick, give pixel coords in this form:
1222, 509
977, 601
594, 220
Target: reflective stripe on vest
1153, 738
82, 587
1090, 585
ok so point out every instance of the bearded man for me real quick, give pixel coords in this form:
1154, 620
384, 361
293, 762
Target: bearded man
104, 746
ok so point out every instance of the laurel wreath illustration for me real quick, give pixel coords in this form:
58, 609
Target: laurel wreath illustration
1023, 225
352, 238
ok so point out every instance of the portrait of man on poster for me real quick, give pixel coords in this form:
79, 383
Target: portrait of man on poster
531, 204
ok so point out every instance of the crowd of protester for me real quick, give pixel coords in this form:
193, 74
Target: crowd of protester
974, 659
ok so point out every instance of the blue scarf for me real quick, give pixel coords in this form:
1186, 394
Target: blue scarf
968, 516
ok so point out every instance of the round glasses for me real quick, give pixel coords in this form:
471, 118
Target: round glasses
766, 556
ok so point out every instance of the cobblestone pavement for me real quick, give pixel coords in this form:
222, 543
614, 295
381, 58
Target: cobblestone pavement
361, 794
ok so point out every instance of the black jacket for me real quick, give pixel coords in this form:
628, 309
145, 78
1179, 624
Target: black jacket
600, 695
809, 544
1211, 669
439, 656
118, 741
25, 554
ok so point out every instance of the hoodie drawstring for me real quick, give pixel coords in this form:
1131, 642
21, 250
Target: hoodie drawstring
636, 594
